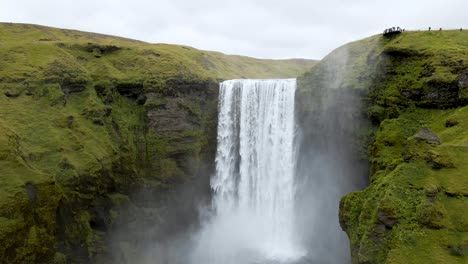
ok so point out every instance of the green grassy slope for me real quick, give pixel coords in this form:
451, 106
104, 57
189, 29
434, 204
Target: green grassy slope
86, 119
414, 210
26, 49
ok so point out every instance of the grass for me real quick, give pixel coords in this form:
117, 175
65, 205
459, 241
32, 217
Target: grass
28, 49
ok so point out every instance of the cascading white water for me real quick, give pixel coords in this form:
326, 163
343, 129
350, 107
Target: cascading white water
253, 187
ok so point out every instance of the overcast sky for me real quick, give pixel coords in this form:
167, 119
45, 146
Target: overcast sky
258, 28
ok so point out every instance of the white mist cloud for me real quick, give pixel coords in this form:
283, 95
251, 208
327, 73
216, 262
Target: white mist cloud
259, 28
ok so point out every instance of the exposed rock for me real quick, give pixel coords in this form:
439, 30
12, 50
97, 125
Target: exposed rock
70, 80
141, 99
451, 122
427, 135
98, 49
441, 94
432, 216
439, 161
73, 87
104, 91
463, 84
463, 79
171, 118
31, 191
130, 89
388, 220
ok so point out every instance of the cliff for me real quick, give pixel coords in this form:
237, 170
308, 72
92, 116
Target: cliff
412, 118
93, 125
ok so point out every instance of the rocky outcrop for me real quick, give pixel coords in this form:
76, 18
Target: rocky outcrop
428, 136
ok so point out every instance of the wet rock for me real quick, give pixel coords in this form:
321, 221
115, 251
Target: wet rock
427, 135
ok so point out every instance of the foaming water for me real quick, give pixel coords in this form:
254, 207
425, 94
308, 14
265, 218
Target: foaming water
253, 187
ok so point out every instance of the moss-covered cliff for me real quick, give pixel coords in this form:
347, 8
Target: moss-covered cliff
87, 121
413, 88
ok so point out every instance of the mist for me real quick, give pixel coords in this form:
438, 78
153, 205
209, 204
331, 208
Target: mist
272, 193
331, 159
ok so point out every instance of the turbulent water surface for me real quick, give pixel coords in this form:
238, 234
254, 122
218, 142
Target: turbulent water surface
254, 188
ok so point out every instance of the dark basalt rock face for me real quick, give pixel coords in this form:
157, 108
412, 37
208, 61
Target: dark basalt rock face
184, 116
177, 149
437, 94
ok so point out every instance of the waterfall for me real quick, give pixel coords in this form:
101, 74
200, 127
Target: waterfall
254, 187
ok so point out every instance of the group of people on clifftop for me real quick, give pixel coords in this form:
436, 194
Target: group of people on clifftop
393, 30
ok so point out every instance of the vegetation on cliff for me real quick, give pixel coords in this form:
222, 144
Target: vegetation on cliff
414, 90
87, 120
